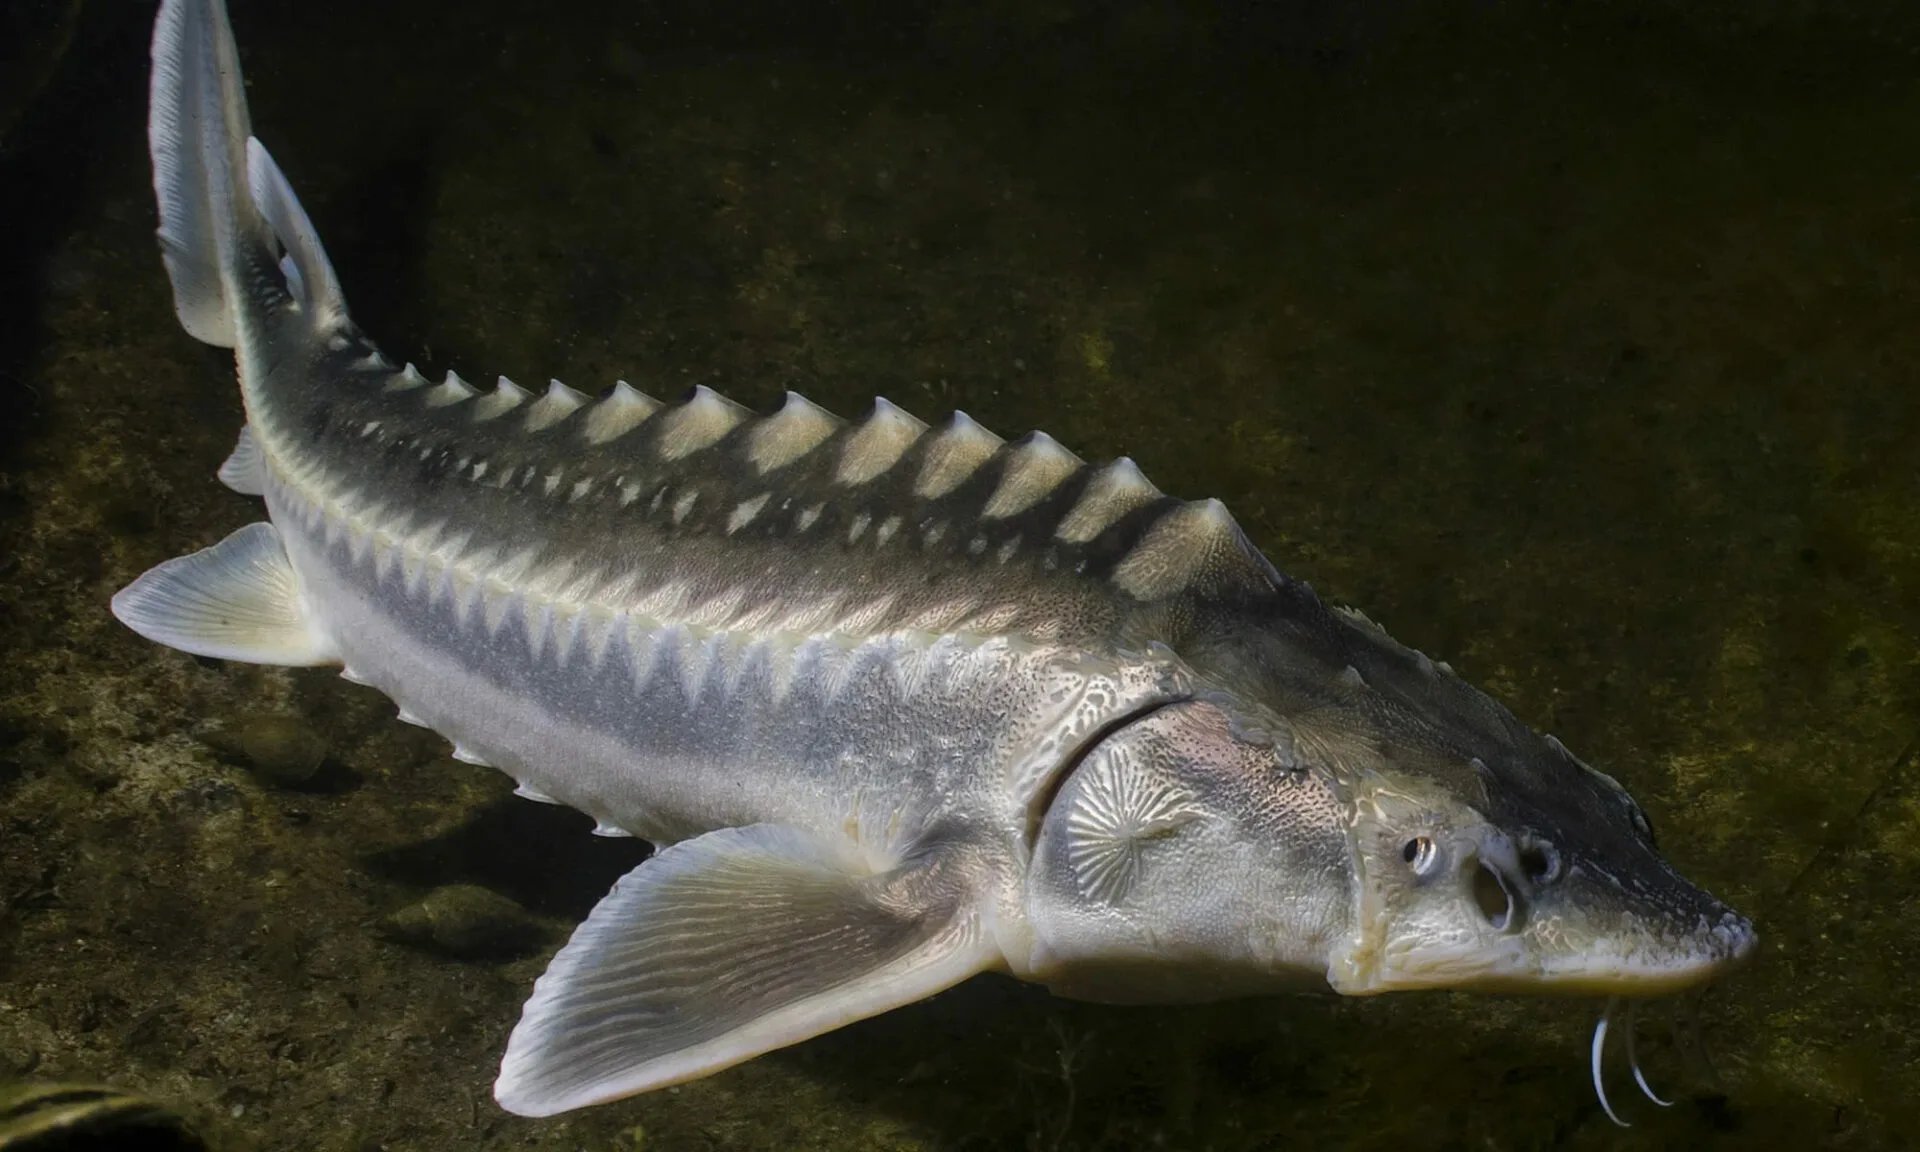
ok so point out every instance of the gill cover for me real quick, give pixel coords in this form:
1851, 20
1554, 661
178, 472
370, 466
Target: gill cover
1181, 860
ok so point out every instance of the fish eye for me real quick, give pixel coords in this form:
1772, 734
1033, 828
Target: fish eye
1422, 853
1540, 860
1491, 895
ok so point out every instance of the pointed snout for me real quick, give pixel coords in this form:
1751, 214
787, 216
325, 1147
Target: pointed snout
1644, 961
1653, 934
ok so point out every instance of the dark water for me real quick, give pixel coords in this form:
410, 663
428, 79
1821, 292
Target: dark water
1575, 342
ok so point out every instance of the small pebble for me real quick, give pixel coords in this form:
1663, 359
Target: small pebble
633, 1139
466, 922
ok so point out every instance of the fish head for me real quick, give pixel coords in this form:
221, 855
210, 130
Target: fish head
1212, 850
1528, 873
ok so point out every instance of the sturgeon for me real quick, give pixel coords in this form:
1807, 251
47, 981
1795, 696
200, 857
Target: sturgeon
896, 703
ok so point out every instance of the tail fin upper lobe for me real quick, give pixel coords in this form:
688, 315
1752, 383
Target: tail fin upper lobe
221, 232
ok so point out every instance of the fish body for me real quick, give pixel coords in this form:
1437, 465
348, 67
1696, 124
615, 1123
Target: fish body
897, 702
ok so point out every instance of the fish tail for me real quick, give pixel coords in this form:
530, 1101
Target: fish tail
248, 274
238, 247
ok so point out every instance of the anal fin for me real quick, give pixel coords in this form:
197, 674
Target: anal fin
238, 600
244, 471
727, 946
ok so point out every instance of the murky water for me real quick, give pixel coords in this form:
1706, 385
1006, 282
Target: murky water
1576, 344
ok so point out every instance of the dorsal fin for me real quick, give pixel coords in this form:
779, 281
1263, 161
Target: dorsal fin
314, 282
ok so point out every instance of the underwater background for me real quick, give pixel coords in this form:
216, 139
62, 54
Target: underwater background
1574, 342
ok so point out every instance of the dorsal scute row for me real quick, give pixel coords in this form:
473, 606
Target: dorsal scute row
1029, 493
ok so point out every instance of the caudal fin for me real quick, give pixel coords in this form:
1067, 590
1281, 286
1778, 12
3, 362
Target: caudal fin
221, 232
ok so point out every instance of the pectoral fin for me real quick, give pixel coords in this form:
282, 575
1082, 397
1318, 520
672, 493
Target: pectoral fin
238, 600
727, 946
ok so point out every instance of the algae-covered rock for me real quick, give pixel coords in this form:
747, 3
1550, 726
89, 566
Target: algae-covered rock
281, 750
467, 922
37, 1116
